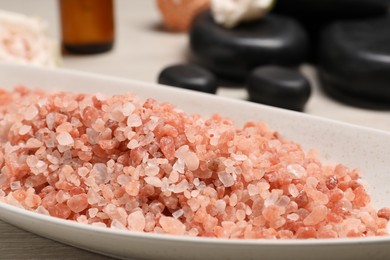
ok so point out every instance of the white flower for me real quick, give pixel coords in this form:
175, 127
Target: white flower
230, 13
24, 40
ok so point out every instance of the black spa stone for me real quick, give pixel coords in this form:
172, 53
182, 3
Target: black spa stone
331, 10
280, 87
233, 53
355, 58
315, 15
189, 76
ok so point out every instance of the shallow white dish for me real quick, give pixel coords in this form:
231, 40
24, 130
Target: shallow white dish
354, 146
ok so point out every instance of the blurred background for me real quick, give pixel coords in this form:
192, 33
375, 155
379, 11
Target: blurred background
144, 46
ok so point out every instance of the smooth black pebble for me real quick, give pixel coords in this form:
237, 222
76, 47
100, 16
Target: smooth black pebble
189, 76
315, 15
278, 86
355, 59
233, 53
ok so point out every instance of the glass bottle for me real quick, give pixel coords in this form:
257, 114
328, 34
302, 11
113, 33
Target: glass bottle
87, 25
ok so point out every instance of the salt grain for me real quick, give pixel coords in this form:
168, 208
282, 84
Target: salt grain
154, 181
296, 170
253, 190
15, 185
30, 113
136, 221
128, 109
191, 161
293, 190
178, 213
181, 187
65, 139
134, 121
172, 226
179, 166
133, 144
226, 179
24, 129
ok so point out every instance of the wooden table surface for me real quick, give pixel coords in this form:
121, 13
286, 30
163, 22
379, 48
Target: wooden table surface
142, 49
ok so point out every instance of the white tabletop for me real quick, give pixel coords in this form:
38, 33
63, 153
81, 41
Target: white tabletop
141, 50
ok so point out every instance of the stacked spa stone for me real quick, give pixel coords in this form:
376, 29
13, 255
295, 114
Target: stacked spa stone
350, 42
235, 53
348, 39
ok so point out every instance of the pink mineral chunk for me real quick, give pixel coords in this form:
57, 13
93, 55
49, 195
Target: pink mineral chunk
145, 166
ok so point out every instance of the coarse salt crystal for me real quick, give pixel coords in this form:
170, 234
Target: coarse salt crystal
92, 212
99, 224
221, 205
239, 157
296, 170
15, 185
293, 190
253, 190
136, 221
312, 181
118, 225
233, 200
316, 216
30, 113
226, 179
196, 182
181, 151
179, 165
180, 187
172, 226
31, 161
24, 129
151, 170
42, 210
240, 214
195, 193
33, 143
123, 179
293, 217
52, 159
50, 120
230, 169
65, 139
82, 219
178, 213
154, 181
134, 121
173, 177
100, 96
191, 160
271, 200
201, 185
128, 109
133, 144
99, 171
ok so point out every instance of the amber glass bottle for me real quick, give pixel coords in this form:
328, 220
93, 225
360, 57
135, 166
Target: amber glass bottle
87, 25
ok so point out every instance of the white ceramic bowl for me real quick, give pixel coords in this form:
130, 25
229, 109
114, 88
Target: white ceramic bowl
356, 147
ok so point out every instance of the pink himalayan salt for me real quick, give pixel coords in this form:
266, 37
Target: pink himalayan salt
142, 165
136, 221
65, 138
172, 226
384, 213
78, 203
316, 216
